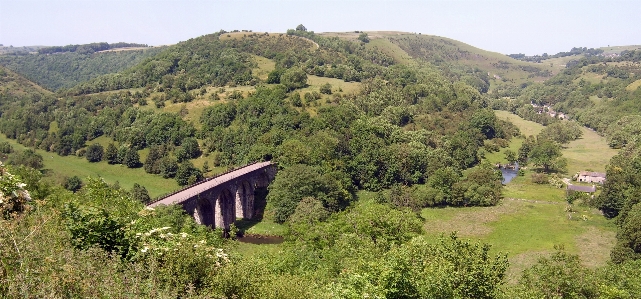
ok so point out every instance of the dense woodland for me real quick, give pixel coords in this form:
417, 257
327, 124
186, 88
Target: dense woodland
413, 134
66, 69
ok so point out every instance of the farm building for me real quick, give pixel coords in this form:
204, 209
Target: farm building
571, 189
587, 189
591, 177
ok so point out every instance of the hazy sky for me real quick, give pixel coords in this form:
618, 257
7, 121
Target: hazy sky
507, 26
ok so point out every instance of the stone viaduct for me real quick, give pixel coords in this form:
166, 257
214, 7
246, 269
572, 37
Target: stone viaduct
219, 200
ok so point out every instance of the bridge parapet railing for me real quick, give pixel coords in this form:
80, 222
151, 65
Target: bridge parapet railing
161, 197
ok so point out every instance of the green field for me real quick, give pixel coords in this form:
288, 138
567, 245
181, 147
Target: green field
590, 152
126, 177
526, 230
527, 127
633, 86
532, 218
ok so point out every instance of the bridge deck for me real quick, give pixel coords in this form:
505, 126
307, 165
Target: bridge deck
187, 193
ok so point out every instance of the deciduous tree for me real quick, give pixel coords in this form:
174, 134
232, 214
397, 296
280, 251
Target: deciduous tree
94, 153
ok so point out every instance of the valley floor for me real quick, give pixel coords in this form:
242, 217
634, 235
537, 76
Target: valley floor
531, 219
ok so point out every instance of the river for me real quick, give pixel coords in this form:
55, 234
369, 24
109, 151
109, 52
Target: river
509, 174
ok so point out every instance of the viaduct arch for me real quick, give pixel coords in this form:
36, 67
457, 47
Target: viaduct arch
219, 200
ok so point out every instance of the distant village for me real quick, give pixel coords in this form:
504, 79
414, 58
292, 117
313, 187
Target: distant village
547, 109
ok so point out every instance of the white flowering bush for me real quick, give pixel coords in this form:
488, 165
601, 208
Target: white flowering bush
13, 196
181, 252
556, 181
160, 242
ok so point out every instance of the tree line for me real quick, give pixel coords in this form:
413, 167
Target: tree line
88, 48
573, 52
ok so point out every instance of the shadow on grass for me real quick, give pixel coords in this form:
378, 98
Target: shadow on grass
260, 201
244, 225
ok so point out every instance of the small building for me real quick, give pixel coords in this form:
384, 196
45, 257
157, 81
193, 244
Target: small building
591, 177
586, 189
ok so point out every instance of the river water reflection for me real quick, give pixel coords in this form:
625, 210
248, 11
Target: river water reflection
509, 174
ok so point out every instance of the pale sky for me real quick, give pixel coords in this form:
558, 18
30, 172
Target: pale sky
504, 26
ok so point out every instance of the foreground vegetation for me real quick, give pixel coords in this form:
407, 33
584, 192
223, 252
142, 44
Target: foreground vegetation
370, 249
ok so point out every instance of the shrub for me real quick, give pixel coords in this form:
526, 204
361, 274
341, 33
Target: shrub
296, 101
73, 183
294, 78
27, 157
539, 178
6, 148
326, 88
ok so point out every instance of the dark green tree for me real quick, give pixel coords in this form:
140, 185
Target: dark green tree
181, 154
6, 148
524, 150
111, 154
122, 153
191, 147
187, 174
485, 121
510, 156
168, 167
132, 159
363, 37
326, 88
547, 154
218, 116
274, 76
299, 181
94, 153
152, 163
309, 211
296, 100
73, 183
562, 132
140, 193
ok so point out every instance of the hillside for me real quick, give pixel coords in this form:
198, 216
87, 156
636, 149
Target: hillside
224, 92
16, 85
601, 92
458, 61
65, 70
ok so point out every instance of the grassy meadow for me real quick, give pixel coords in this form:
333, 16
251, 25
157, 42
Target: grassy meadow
527, 230
68, 166
532, 219
590, 152
634, 85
